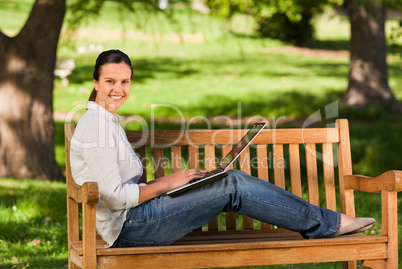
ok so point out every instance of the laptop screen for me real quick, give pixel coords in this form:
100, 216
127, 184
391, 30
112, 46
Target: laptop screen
241, 145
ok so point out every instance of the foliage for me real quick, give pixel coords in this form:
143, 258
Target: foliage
395, 39
280, 26
83, 11
287, 20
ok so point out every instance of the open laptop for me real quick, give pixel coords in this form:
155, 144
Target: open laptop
220, 171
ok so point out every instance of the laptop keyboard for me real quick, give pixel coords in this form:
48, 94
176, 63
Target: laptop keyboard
207, 174
211, 173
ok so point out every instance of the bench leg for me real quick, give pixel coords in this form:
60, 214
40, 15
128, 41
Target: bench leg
350, 265
89, 236
390, 226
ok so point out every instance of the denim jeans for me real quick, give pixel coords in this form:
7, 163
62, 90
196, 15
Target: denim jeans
163, 220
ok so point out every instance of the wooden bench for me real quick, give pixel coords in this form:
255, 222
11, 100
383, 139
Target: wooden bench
290, 158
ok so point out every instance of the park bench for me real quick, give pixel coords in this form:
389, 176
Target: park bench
290, 158
64, 68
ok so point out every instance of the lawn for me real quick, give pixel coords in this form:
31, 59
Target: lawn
192, 72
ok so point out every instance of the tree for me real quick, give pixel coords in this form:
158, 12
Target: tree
27, 63
368, 75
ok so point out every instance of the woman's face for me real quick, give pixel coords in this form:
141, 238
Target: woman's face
113, 87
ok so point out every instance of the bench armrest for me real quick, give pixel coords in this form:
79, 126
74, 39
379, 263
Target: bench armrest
88, 193
389, 181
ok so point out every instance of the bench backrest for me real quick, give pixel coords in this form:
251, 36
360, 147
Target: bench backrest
290, 158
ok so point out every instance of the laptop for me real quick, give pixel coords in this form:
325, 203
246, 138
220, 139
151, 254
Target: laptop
225, 163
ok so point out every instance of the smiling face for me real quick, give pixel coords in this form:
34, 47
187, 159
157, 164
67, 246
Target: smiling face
114, 86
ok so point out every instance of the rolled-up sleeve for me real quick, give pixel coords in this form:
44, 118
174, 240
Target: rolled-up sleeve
102, 164
101, 155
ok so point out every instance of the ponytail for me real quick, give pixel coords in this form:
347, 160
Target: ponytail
92, 97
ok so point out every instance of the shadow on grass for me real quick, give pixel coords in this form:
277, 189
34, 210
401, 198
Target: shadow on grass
143, 69
333, 45
148, 68
286, 104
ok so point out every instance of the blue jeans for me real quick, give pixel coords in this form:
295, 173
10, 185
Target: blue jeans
163, 220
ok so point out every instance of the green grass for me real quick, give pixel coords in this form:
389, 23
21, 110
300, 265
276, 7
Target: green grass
33, 224
210, 72
216, 68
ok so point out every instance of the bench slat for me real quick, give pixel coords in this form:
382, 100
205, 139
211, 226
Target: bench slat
294, 161
193, 160
209, 160
312, 177
159, 170
262, 162
225, 137
245, 161
272, 240
141, 154
249, 257
279, 166
248, 223
229, 216
176, 158
193, 163
279, 242
209, 157
329, 178
263, 165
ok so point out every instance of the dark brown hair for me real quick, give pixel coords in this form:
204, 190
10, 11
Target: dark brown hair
108, 57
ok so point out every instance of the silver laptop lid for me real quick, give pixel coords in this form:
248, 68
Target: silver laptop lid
241, 145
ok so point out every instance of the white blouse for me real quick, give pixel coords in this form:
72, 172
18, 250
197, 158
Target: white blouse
101, 152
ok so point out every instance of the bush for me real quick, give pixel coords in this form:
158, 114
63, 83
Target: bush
279, 26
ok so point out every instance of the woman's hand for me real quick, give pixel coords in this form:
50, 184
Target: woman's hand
164, 184
182, 177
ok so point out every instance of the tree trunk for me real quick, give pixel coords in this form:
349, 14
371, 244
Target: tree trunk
368, 75
27, 64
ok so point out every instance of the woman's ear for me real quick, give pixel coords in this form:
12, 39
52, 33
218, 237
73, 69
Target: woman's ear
96, 84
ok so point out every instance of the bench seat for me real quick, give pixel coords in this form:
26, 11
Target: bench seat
241, 249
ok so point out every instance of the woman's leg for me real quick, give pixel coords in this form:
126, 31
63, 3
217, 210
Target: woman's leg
163, 220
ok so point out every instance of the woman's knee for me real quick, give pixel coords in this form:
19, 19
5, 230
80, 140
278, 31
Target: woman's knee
236, 173
240, 176
239, 179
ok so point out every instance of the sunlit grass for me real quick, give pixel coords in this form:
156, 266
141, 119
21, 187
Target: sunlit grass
33, 224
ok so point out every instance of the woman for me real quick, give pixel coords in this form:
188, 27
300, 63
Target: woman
130, 214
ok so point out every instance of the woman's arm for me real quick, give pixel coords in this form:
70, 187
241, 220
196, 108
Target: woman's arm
164, 184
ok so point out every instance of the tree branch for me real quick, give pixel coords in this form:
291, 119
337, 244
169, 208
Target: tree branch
44, 14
